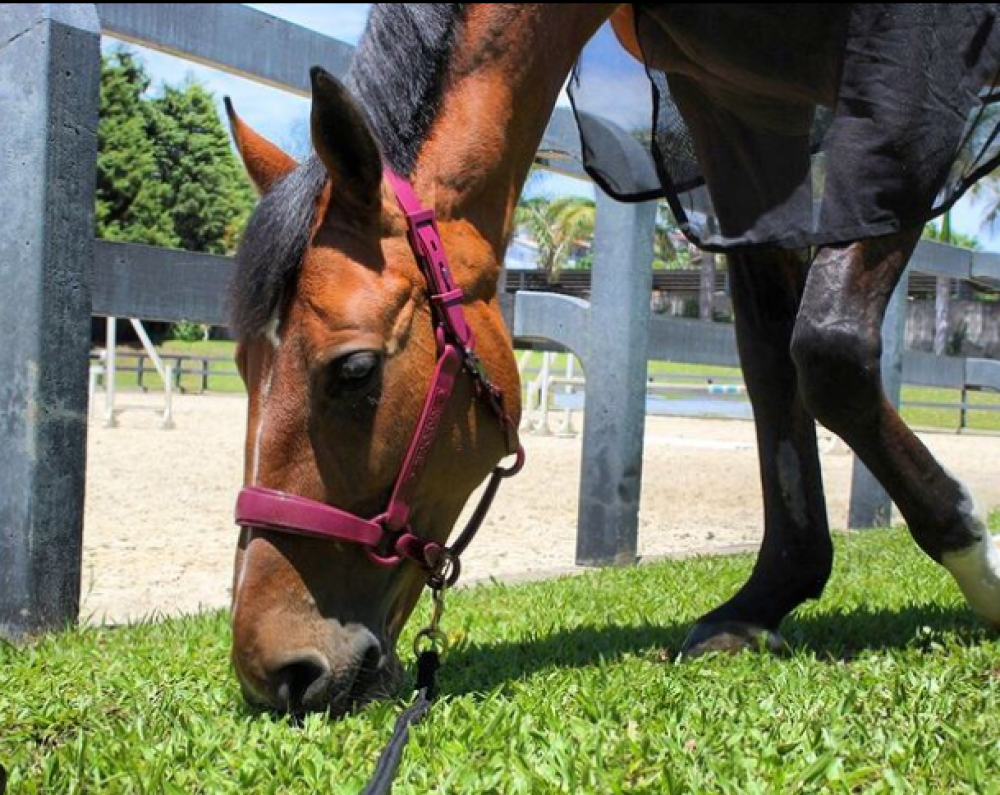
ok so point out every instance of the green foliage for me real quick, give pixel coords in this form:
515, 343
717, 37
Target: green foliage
690, 309
557, 225
210, 196
562, 686
668, 255
223, 378
943, 233
186, 331
167, 174
132, 195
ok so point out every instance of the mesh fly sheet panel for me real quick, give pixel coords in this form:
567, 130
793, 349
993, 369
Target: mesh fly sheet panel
793, 125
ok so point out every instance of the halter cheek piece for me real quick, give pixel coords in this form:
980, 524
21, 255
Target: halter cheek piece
388, 538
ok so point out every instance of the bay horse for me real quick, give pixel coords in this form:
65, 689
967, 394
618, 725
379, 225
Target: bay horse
338, 344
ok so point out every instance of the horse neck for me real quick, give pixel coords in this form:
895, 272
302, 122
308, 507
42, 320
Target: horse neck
500, 89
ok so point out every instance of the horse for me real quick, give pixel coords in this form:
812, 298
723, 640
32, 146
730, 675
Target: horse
339, 343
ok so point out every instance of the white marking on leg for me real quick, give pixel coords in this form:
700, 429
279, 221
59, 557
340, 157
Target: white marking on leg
976, 568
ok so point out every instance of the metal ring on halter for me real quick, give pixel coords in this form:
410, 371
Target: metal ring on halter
447, 572
436, 639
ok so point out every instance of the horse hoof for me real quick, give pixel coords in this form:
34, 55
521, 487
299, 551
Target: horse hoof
730, 636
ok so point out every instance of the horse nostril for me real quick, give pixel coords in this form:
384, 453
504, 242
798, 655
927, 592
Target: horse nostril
300, 686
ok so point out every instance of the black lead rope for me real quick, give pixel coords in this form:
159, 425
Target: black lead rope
388, 762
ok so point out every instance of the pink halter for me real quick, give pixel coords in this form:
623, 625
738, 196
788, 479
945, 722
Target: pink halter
388, 537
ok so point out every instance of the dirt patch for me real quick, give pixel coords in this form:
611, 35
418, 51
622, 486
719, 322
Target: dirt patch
159, 536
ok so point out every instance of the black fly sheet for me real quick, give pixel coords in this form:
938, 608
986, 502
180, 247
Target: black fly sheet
794, 125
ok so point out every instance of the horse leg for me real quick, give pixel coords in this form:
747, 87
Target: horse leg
796, 554
837, 349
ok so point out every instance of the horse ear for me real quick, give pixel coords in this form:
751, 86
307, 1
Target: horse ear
344, 141
264, 162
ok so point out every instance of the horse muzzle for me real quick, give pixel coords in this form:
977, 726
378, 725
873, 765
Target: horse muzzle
337, 676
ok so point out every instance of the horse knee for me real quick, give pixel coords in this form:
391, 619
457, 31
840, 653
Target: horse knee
839, 372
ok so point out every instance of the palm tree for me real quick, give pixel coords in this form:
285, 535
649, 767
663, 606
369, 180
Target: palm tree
556, 225
945, 234
987, 189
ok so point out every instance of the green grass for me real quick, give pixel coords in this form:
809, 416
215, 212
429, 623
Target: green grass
565, 686
191, 383
947, 418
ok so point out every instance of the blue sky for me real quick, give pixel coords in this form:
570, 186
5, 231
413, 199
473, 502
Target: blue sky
283, 118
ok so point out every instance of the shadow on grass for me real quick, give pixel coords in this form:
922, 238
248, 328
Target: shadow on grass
843, 634
837, 636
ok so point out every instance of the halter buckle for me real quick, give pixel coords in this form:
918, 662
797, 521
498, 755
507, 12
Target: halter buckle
385, 552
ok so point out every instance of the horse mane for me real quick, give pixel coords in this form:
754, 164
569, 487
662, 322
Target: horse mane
397, 76
397, 73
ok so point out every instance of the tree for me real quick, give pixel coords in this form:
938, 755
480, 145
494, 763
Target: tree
166, 173
556, 226
667, 254
210, 195
987, 189
132, 196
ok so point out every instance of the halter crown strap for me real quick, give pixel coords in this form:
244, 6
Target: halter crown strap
425, 239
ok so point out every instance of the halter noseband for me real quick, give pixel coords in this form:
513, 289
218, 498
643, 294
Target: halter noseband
388, 537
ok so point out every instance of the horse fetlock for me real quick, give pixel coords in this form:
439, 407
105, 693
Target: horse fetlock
976, 569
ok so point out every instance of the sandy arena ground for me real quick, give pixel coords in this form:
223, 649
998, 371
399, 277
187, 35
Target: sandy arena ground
159, 536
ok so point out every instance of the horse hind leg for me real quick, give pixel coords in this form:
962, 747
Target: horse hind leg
837, 349
796, 554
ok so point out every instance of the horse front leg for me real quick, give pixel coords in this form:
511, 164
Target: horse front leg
837, 349
796, 554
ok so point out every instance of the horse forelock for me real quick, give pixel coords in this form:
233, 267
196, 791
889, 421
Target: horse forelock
273, 245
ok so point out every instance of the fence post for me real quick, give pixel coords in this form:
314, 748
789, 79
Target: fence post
110, 371
615, 364
870, 504
49, 88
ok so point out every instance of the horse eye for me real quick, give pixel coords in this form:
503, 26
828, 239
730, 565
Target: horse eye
356, 369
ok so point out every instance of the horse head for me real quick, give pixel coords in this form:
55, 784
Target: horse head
338, 349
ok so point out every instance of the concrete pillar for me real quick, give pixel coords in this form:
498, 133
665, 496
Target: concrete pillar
615, 364
706, 288
49, 94
942, 308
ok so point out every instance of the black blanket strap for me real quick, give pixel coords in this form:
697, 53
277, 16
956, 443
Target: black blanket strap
388, 762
